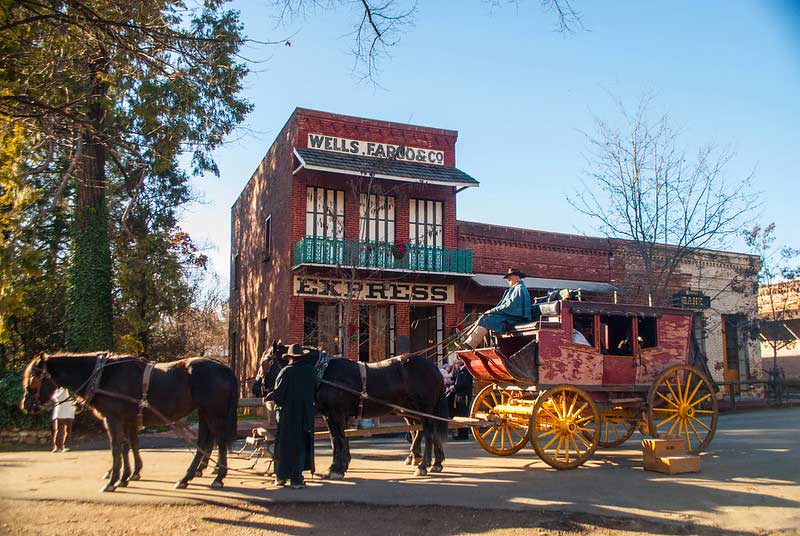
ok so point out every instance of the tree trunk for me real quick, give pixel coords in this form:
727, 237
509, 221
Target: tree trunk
89, 307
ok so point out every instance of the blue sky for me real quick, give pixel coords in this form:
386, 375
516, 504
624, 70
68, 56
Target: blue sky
520, 94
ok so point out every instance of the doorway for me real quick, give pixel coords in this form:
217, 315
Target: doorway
732, 349
427, 328
376, 332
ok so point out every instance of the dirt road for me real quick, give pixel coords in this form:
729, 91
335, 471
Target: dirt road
748, 486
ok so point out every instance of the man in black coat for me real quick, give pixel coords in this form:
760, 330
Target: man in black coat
462, 396
294, 396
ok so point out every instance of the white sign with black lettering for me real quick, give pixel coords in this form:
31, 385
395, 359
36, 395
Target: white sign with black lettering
393, 291
402, 153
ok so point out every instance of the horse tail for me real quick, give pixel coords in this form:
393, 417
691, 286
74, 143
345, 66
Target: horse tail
231, 413
442, 410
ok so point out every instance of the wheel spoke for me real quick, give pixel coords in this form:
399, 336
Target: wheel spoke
665, 421
696, 434
696, 388
688, 383
558, 445
680, 394
705, 397
669, 386
670, 410
547, 446
567, 447
494, 437
705, 411
701, 423
487, 432
686, 433
547, 411
572, 405
584, 441
494, 398
616, 433
667, 400
671, 428
578, 451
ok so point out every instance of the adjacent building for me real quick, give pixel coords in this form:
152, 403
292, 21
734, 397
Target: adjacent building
346, 237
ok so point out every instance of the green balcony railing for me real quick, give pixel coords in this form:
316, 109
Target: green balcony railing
382, 255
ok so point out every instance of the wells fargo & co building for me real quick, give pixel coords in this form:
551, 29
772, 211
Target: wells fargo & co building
346, 237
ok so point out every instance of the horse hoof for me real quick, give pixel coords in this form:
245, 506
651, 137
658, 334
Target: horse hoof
123, 484
409, 460
181, 485
135, 476
215, 471
437, 468
108, 487
217, 484
421, 472
198, 473
335, 476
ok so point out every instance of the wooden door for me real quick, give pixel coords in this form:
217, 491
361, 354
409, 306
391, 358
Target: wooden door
730, 349
378, 332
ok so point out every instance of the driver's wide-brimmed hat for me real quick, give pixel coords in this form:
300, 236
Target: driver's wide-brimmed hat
515, 271
296, 350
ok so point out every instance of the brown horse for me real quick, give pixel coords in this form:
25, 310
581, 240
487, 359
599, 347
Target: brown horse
176, 389
409, 381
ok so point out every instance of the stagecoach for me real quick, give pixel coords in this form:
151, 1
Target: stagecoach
586, 374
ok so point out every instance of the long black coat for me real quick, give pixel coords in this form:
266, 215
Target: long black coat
294, 395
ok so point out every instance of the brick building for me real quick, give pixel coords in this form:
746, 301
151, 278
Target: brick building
346, 237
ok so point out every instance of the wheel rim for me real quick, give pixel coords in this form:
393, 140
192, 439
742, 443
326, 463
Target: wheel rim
564, 430
614, 430
682, 403
506, 434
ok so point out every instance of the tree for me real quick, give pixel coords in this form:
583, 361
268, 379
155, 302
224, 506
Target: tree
107, 94
644, 188
779, 291
380, 25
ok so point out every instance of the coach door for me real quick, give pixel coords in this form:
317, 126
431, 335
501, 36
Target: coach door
616, 345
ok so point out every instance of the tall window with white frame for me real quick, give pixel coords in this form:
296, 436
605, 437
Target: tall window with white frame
376, 218
426, 222
324, 213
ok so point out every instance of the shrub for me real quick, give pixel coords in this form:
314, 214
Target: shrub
10, 396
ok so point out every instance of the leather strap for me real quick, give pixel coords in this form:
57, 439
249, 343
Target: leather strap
143, 403
94, 381
362, 369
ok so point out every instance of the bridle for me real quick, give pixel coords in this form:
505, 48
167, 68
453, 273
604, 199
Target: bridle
36, 379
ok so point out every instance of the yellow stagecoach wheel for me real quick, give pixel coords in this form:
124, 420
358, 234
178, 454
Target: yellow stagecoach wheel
615, 430
505, 433
682, 403
564, 427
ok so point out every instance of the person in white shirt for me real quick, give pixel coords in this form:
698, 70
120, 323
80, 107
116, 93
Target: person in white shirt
579, 338
63, 416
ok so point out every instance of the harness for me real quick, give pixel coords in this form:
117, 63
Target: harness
143, 403
362, 369
94, 379
321, 366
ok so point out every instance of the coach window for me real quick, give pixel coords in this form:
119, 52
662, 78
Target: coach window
648, 332
324, 213
616, 335
584, 326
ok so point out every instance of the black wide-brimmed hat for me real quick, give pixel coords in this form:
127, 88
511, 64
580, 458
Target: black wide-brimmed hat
296, 350
516, 272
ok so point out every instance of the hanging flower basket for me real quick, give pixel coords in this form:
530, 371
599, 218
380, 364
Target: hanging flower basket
399, 250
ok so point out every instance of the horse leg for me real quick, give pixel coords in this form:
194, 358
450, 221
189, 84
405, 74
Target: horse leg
438, 453
133, 439
204, 443
115, 437
126, 466
339, 444
222, 462
415, 451
427, 432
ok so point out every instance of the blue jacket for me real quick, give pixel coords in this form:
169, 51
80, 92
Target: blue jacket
514, 308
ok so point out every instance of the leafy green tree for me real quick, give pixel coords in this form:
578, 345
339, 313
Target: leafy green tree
107, 94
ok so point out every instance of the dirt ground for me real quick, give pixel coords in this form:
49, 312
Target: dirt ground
64, 518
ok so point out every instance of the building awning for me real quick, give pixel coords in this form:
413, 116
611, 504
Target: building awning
493, 280
382, 168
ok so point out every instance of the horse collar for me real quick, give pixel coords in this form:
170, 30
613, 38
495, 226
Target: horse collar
94, 379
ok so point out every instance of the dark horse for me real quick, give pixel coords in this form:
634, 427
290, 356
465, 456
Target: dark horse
409, 381
176, 389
